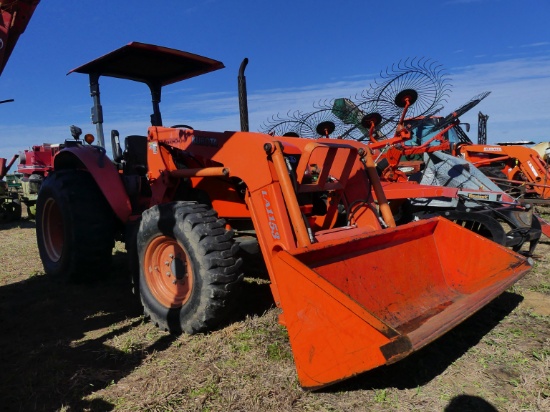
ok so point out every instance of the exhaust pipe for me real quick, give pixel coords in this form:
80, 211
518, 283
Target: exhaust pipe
243, 104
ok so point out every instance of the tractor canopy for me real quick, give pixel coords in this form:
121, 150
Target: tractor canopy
153, 65
150, 64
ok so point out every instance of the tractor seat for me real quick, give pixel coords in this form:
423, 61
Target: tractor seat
135, 155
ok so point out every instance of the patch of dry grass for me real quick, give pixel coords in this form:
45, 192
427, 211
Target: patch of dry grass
87, 347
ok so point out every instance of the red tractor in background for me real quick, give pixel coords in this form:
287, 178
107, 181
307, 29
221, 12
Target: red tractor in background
34, 166
355, 291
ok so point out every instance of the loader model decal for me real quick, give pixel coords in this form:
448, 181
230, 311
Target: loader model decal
478, 196
205, 141
532, 168
153, 146
271, 216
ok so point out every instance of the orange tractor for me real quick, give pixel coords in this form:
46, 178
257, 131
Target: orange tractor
517, 168
355, 291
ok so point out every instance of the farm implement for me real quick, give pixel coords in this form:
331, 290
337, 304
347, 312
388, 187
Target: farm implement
355, 291
10, 206
14, 18
518, 169
394, 119
23, 186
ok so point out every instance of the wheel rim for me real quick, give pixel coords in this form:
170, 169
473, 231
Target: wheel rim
168, 272
52, 230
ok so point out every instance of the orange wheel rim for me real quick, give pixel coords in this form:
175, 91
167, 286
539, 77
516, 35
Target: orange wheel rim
168, 272
52, 230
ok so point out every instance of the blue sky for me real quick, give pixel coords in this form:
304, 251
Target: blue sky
299, 52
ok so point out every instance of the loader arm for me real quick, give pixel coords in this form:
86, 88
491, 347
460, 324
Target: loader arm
353, 297
522, 163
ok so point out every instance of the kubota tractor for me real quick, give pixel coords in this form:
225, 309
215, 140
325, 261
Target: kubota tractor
355, 291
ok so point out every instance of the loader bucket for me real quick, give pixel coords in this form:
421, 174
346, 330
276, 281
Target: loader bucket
371, 299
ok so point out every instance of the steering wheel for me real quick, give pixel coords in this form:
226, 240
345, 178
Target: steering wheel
181, 126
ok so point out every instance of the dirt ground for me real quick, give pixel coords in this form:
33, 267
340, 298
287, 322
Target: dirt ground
87, 348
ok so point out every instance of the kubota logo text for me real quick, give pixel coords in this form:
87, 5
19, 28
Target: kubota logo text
270, 216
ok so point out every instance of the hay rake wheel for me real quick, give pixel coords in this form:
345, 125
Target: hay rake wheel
426, 78
326, 121
415, 87
279, 126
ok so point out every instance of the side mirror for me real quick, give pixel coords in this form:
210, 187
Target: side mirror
76, 132
115, 143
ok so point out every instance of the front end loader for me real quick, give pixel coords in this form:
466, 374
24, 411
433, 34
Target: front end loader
355, 291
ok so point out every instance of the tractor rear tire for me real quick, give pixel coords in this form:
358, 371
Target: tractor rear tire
189, 271
74, 227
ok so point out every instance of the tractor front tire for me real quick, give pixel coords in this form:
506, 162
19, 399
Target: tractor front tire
74, 226
188, 267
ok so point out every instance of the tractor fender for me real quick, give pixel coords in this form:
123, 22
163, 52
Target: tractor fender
105, 174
